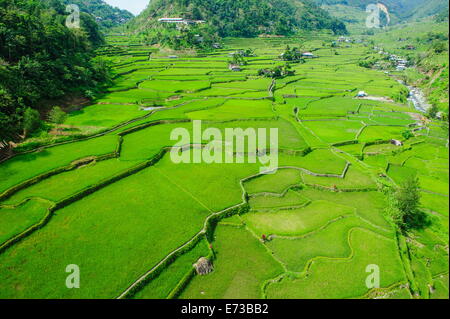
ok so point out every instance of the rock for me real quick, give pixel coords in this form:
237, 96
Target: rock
431, 289
203, 266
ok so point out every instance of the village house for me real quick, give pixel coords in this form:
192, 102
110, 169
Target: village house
361, 94
345, 39
396, 142
307, 55
399, 62
180, 21
266, 72
171, 20
420, 128
235, 67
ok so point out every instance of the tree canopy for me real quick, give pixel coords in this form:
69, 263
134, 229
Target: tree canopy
242, 18
41, 58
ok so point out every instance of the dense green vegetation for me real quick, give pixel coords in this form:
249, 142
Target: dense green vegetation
353, 12
43, 60
233, 18
404, 9
106, 16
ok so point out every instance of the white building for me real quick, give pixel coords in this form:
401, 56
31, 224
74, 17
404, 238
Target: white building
396, 143
171, 20
361, 94
180, 21
234, 68
307, 55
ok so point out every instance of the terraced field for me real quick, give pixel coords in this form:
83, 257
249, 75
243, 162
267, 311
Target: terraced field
115, 204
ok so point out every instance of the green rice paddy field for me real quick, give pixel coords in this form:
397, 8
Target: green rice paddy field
135, 222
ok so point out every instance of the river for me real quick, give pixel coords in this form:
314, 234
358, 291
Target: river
417, 98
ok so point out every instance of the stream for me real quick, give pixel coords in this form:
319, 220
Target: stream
417, 98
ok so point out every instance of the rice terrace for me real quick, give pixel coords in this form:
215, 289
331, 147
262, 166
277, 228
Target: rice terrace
100, 194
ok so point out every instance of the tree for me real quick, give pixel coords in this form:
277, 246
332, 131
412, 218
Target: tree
31, 121
8, 129
57, 115
292, 55
439, 47
9, 117
277, 72
445, 124
407, 134
432, 112
407, 214
408, 195
249, 53
196, 14
238, 58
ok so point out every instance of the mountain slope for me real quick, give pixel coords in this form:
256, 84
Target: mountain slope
242, 18
428, 8
403, 9
106, 15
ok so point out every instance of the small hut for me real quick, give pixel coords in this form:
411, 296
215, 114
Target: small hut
396, 143
234, 67
203, 266
361, 94
307, 55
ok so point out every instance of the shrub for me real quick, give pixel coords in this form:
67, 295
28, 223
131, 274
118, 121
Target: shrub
31, 121
57, 115
407, 134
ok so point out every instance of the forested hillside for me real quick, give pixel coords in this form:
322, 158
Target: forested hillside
40, 58
428, 8
399, 9
246, 18
107, 16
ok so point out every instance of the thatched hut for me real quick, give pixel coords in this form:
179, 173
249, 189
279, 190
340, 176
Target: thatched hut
203, 266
